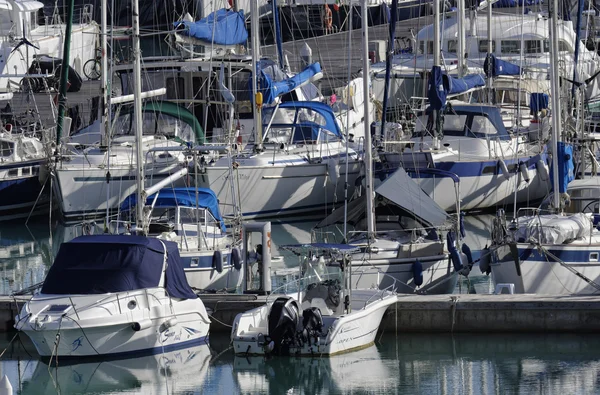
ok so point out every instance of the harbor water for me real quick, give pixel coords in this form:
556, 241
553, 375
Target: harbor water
398, 363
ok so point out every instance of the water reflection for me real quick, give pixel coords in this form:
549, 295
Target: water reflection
171, 372
464, 364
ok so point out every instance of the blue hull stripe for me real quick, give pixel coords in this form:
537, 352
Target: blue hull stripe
132, 354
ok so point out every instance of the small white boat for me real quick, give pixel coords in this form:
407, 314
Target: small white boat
114, 296
321, 317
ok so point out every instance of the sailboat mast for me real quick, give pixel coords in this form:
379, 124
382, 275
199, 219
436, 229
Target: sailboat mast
137, 111
64, 73
555, 92
367, 124
489, 51
436, 62
461, 37
255, 59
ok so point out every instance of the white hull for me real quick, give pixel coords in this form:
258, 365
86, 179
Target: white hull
82, 192
104, 325
273, 190
345, 333
381, 273
538, 275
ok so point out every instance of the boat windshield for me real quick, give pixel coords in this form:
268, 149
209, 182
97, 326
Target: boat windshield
296, 126
155, 124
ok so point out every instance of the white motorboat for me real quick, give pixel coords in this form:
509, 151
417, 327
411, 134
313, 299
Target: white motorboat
23, 38
112, 295
318, 315
148, 375
210, 255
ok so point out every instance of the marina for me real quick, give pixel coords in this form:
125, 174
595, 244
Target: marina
300, 197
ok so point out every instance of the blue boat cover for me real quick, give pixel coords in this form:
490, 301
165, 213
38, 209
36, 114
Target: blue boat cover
102, 264
566, 168
222, 27
271, 89
307, 106
538, 102
514, 3
180, 197
435, 89
500, 67
459, 85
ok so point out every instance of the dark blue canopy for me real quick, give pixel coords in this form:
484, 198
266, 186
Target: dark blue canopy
320, 108
566, 167
435, 89
538, 102
180, 197
500, 67
102, 264
454, 86
222, 27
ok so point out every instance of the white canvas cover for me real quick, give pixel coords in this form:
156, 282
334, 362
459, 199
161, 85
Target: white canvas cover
554, 229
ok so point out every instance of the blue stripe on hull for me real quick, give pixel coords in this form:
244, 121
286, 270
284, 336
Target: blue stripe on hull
133, 354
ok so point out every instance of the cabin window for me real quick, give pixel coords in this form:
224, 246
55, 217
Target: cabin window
511, 46
6, 148
482, 127
13, 173
533, 46
327, 137
454, 123
564, 46
452, 46
175, 88
26, 171
189, 215
429, 47
483, 46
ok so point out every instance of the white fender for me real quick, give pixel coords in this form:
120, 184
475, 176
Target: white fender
504, 169
333, 170
524, 171
542, 170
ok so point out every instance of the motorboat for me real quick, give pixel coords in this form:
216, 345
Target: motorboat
114, 295
316, 315
209, 254
543, 252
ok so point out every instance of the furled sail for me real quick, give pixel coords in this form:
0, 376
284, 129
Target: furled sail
272, 89
497, 67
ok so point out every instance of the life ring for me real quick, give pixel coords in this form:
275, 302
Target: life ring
217, 261
235, 258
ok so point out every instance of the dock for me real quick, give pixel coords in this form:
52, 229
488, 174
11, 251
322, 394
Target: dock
456, 313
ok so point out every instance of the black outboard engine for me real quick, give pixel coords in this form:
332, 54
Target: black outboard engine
284, 318
312, 321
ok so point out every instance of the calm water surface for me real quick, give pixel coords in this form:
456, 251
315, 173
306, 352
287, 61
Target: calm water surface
403, 364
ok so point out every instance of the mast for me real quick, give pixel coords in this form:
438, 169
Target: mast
64, 73
255, 59
348, 121
277, 27
555, 92
436, 62
388, 63
137, 111
367, 124
461, 37
489, 51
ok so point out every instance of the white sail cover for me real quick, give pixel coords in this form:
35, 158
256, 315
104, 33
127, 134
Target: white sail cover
403, 191
553, 229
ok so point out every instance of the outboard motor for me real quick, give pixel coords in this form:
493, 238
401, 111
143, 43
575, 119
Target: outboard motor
312, 321
284, 318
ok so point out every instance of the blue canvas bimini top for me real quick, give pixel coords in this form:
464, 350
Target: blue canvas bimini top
100, 264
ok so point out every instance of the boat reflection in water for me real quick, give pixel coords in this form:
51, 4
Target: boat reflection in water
362, 370
155, 374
